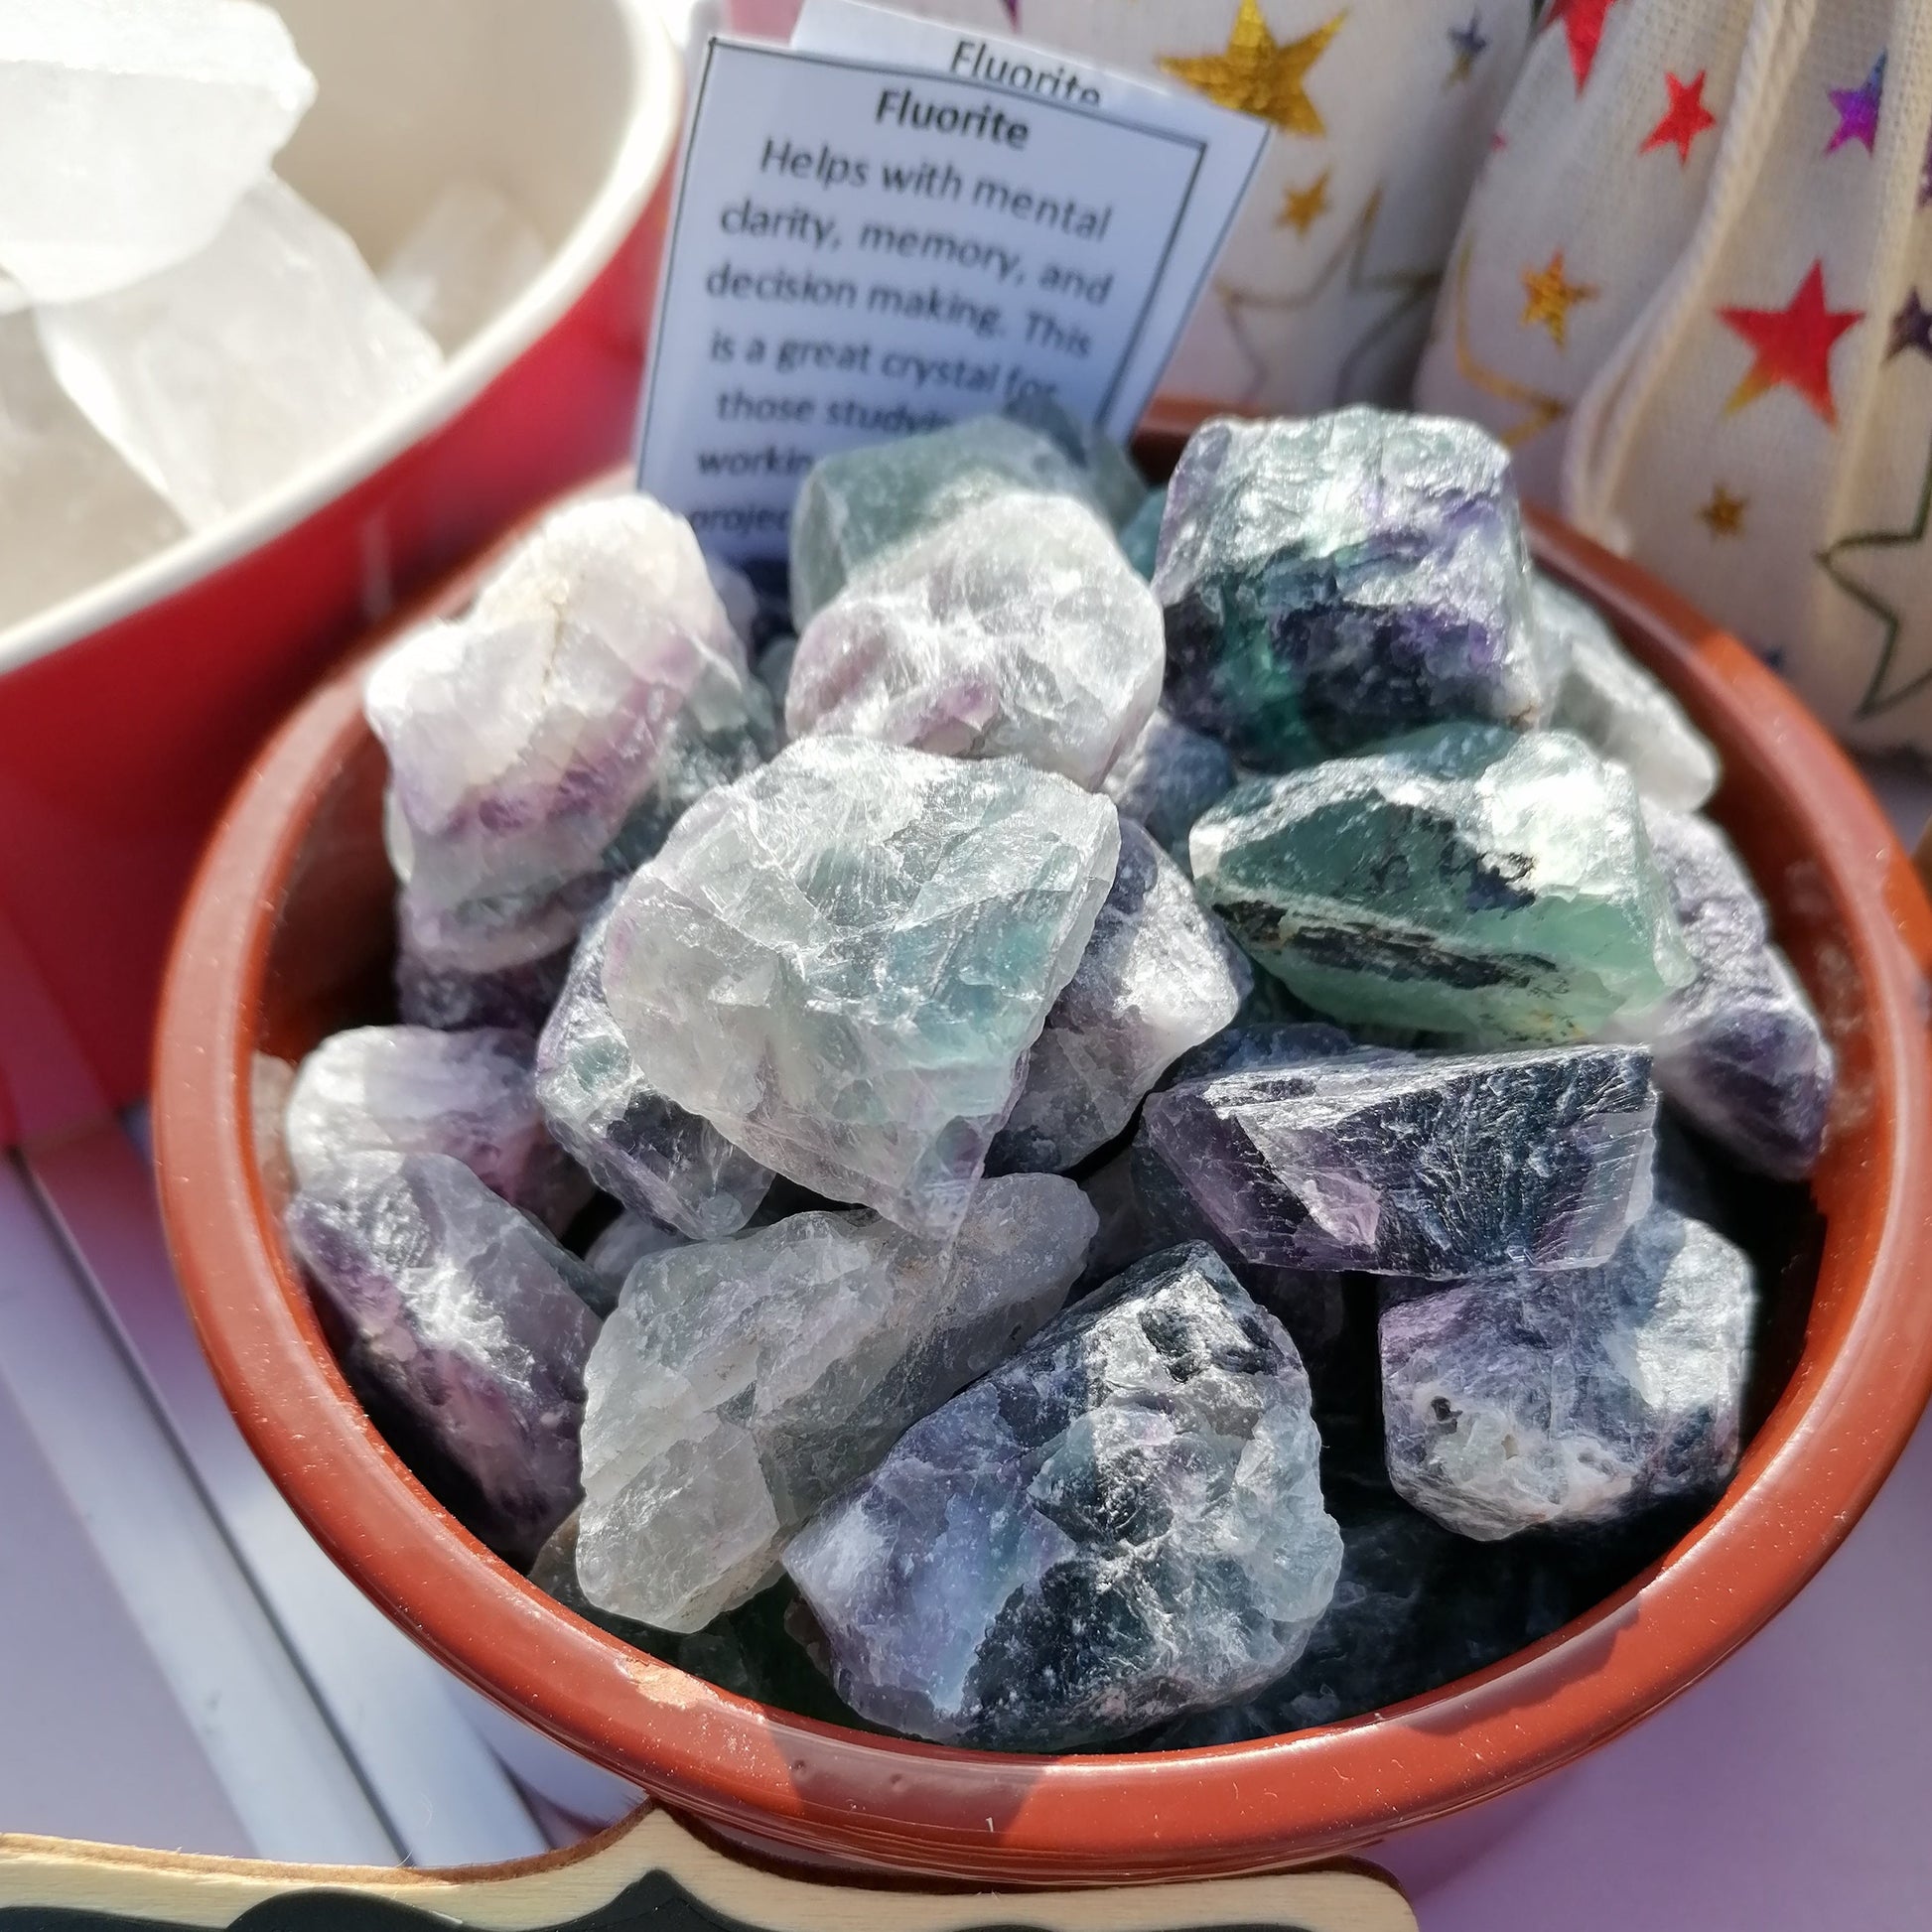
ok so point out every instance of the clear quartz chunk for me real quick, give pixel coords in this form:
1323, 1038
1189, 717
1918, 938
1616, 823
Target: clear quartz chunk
1122, 1524
1014, 630
544, 744
1158, 976
413, 1090
129, 130
1440, 1166
1331, 582
1464, 880
1740, 1050
462, 264
467, 1332
1609, 700
222, 377
856, 506
646, 1149
73, 509
1535, 1401
842, 960
743, 1384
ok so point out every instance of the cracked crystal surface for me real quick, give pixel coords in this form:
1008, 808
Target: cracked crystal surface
1335, 581
1532, 1401
741, 1384
842, 961
1014, 630
1121, 1523
1431, 1164
1464, 880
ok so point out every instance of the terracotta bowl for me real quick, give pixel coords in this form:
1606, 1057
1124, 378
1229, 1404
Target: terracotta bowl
128, 711
287, 937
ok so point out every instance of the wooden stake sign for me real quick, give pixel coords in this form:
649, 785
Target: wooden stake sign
647, 1875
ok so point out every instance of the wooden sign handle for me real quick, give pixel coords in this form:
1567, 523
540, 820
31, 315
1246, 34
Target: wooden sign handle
647, 1875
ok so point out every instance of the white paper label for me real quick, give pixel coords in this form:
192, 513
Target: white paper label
865, 249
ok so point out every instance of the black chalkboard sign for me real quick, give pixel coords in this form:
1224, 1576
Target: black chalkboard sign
649, 1875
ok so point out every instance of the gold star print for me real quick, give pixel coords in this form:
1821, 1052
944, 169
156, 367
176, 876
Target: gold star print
1259, 75
1302, 207
1723, 515
1543, 410
1551, 296
1410, 288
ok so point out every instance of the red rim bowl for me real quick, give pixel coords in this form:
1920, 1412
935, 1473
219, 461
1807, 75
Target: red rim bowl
286, 935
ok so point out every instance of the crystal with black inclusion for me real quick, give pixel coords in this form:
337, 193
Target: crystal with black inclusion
1331, 582
1122, 1524
1466, 880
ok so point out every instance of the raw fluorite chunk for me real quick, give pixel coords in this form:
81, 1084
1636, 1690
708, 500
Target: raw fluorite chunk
741, 1384
620, 1247
73, 509
656, 1158
1140, 537
1328, 583
1415, 1607
462, 264
1612, 702
413, 1090
1016, 630
1158, 977
432, 993
1466, 880
129, 129
1580, 1397
842, 960
1740, 1050
773, 668
467, 1321
222, 377
1167, 778
1433, 1165
544, 744
1122, 1524
1118, 487
857, 504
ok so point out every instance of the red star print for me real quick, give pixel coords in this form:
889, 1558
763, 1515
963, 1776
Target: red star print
1687, 119
1582, 24
1792, 347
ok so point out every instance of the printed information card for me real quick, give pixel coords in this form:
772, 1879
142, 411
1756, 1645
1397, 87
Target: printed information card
865, 248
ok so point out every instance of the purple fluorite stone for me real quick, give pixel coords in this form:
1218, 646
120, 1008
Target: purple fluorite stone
1335, 581
1121, 1523
1740, 1050
465, 1323
1579, 1398
1431, 1164
413, 1090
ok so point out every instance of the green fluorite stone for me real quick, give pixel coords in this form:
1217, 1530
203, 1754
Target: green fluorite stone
859, 503
1463, 879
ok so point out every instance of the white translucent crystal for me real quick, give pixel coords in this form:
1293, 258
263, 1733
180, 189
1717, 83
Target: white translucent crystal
581, 692
1014, 630
129, 129
1158, 976
743, 1384
462, 264
72, 512
1608, 699
622, 1245
413, 1090
222, 377
842, 960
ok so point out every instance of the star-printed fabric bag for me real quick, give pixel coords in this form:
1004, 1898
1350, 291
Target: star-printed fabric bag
1690, 292
1382, 111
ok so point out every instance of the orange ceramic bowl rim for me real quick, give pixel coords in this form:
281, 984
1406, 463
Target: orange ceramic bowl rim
884, 1805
